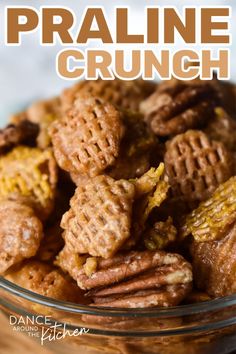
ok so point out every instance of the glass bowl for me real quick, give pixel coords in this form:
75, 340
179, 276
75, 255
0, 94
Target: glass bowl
207, 327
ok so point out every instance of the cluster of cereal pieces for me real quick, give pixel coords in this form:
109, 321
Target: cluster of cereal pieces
102, 189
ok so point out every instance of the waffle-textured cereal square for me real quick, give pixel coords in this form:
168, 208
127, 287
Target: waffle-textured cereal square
99, 220
196, 166
87, 139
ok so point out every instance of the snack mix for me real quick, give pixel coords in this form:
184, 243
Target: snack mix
122, 194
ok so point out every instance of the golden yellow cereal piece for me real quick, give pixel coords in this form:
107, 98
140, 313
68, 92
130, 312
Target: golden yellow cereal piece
29, 174
213, 217
149, 180
157, 198
160, 235
151, 191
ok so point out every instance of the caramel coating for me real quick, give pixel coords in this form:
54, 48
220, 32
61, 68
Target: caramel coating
125, 95
87, 139
214, 264
20, 233
179, 108
146, 182
43, 279
196, 166
29, 175
99, 220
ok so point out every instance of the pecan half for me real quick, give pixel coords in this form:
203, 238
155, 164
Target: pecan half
179, 108
138, 279
170, 295
134, 279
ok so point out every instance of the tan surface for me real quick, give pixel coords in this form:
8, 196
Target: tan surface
17, 343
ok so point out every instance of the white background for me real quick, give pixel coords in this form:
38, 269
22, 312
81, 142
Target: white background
28, 72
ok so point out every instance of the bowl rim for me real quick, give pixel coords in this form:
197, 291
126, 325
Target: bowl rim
176, 311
